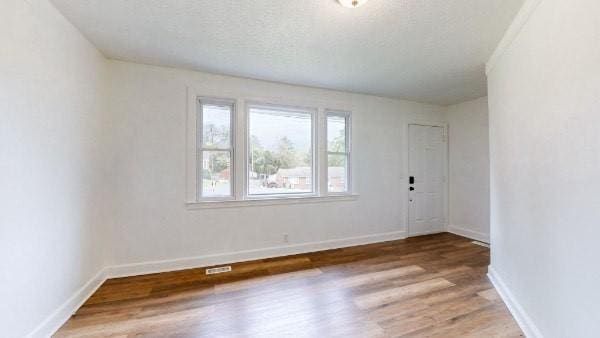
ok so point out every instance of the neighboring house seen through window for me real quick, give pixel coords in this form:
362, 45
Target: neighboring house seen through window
280, 152
281, 156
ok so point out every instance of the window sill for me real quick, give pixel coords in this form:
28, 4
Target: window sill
270, 201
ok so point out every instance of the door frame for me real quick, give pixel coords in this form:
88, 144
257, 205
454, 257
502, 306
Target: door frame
405, 173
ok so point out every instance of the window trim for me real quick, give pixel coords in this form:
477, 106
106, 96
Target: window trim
259, 202
347, 115
199, 149
314, 153
239, 118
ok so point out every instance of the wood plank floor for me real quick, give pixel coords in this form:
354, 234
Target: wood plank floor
429, 286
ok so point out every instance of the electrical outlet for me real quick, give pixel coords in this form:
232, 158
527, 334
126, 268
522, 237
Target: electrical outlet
286, 238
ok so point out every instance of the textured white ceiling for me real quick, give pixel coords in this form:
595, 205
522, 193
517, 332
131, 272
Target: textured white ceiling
424, 50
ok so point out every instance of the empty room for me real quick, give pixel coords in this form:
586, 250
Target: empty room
316, 168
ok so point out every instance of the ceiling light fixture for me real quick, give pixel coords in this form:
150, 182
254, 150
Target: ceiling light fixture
352, 3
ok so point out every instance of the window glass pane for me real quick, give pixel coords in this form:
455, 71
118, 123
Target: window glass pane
336, 133
337, 173
216, 174
280, 158
216, 125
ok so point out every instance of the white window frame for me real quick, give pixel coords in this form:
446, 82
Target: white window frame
347, 151
314, 163
200, 102
239, 161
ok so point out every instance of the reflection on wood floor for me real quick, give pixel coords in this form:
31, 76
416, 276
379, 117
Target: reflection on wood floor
429, 286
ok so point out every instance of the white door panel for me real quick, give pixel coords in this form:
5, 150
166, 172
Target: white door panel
426, 165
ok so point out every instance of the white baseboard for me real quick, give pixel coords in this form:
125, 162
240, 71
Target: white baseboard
524, 321
427, 232
49, 326
53, 322
476, 235
246, 255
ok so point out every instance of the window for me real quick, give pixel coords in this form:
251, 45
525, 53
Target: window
215, 149
338, 152
281, 161
280, 151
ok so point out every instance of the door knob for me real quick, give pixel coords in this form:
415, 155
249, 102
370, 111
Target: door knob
411, 188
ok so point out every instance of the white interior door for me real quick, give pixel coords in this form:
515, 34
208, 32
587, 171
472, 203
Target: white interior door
427, 193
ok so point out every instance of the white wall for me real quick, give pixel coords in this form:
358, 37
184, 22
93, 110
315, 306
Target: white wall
544, 96
469, 169
51, 163
152, 222
93, 171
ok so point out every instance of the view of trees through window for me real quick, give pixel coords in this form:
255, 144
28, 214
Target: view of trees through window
280, 152
337, 153
216, 150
